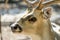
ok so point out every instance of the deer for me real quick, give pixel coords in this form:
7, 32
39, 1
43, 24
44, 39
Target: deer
35, 24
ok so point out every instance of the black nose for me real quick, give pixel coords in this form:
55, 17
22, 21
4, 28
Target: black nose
16, 28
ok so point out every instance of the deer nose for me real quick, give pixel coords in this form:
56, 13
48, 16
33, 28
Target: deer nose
16, 28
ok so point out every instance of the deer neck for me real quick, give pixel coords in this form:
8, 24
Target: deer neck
44, 30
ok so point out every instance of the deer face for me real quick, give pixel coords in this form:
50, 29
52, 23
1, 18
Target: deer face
28, 20
36, 23
31, 22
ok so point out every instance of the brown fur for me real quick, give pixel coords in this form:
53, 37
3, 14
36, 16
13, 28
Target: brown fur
39, 30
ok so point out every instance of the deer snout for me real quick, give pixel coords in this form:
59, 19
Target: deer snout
16, 27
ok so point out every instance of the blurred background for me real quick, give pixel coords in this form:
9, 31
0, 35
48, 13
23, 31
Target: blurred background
15, 10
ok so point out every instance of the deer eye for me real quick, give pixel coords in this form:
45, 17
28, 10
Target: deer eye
33, 19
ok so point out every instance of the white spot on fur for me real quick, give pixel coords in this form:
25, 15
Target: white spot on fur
23, 37
32, 2
56, 29
29, 13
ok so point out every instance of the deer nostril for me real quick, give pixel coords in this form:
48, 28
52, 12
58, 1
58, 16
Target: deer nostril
16, 27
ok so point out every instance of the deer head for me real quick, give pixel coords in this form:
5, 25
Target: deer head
35, 23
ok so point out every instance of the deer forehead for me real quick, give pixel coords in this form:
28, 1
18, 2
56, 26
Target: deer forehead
27, 14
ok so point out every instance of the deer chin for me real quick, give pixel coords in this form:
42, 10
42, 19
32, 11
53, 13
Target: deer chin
25, 37
22, 37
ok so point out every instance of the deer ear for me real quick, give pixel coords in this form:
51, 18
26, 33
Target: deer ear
47, 13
